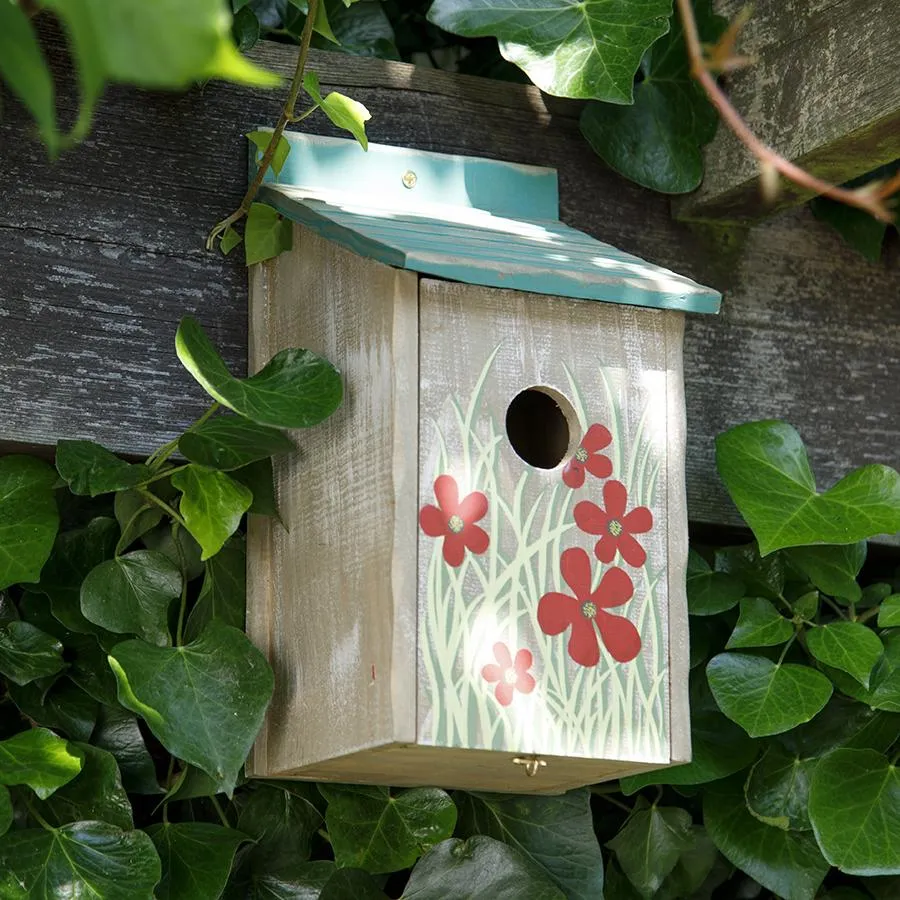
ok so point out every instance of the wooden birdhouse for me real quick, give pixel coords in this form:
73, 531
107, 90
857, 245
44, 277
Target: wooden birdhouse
480, 576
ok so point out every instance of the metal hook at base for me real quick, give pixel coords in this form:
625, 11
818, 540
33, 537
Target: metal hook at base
532, 764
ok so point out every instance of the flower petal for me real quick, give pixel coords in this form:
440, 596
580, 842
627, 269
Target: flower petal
632, 552
596, 438
573, 474
524, 661
473, 507
615, 588
476, 538
526, 683
590, 518
638, 521
605, 548
620, 637
504, 693
502, 655
584, 647
599, 465
454, 549
615, 499
556, 612
492, 673
575, 566
447, 494
432, 521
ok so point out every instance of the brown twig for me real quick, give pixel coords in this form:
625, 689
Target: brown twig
287, 115
869, 198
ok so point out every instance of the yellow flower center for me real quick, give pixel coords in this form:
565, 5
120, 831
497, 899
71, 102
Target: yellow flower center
581, 455
455, 524
510, 676
614, 527
589, 610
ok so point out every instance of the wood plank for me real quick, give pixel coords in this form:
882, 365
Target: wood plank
824, 91
102, 253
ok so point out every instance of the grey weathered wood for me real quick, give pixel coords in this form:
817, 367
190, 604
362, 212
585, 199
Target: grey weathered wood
101, 254
824, 91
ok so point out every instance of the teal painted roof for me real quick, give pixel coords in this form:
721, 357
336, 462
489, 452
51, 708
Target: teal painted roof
466, 219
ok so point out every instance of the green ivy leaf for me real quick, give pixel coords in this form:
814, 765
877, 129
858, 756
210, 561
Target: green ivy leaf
806, 605
90, 469
212, 505
131, 594
245, 30
118, 733
231, 442
296, 389
454, 868
28, 517
6, 811
349, 884
40, 760
658, 140
650, 844
762, 576
788, 863
832, 570
363, 29
859, 229
589, 50
555, 833
884, 681
179, 546
27, 653
63, 706
764, 697
889, 614
759, 625
223, 595
694, 867
84, 859
266, 234
777, 789
766, 470
372, 830
854, 807
196, 858
884, 888
261, 140
710, 593
231, 237
848, 646
135, 515
343, 111
204, 701
260, 478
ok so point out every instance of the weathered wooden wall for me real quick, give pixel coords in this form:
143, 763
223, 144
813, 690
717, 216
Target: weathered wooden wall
102, 253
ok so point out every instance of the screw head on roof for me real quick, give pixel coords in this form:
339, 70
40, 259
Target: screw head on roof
409, 179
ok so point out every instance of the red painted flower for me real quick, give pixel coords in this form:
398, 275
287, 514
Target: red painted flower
509, 675
454, 520
557, 612
587, 457
615, 527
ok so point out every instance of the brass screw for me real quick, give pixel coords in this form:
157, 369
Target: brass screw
409, 179
532, 764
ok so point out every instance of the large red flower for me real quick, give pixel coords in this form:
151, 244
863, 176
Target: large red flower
557, 612
615, 527
510, 676
587, 457
454, 520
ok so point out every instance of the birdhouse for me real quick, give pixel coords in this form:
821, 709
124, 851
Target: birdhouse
479, 577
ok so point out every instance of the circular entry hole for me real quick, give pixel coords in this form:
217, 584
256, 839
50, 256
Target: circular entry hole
541, 425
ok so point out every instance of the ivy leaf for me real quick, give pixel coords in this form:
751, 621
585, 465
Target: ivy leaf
349, 884
223, 595
710, 593
90, 469
693, 868
261, 140
762, 576
859, 229
204, 701
764, 697
196, 858
260, 478
6, 811
848, 646
854, 807
832, 570
63, 706
555, 833
650, 843
759, 625
657, 141
296, 389
118, 733
454, 868
212, 505
883, 888
372, 830
363, 29
266, 234
40, 760
135, 515
28, 517
245, 30
889, 614
883, 691
588, 50
231, 237
79, 860
27, 653
788, 863
806, 606
178, 545
131, 594
777, 789
766, 470
231, 442
343, 111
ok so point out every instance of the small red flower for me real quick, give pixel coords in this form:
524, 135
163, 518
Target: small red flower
454, 520
556, 612
510, 676
588, 457
615, 527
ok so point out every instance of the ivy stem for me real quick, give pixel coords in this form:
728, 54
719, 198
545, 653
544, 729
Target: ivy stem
287, 114
834, 606
182, 564
787, 647
120, 546
608, 799
869, 614
164, 474
158, 457
147, 495
220, 811
37, 816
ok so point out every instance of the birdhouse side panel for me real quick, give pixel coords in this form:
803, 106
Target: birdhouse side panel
543, 589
